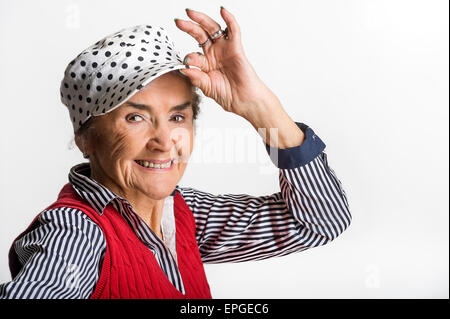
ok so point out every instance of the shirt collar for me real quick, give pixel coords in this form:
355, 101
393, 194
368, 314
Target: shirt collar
97, 195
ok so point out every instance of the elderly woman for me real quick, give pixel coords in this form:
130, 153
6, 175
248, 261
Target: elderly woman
122, 227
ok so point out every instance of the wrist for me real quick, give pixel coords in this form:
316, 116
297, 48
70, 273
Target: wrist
274, 125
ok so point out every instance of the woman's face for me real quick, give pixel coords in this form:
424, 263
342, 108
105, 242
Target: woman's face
154, 126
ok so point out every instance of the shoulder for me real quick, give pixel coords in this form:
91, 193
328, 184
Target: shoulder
67, 216
63, 224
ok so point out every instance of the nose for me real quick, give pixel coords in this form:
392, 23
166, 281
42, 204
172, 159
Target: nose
160, 138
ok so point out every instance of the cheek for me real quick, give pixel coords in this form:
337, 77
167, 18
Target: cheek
184, 142
115, 145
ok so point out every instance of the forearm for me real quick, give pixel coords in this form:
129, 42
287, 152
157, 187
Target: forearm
269, 118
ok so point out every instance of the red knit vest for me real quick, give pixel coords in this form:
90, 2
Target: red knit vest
130, 269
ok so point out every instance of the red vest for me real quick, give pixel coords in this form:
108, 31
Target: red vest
130, 269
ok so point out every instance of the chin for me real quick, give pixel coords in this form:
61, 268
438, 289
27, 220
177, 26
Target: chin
160, 193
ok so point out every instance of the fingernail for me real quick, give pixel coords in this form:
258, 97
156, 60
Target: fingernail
186, 60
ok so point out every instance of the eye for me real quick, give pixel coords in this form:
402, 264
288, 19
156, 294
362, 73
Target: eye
135, 118
178, 116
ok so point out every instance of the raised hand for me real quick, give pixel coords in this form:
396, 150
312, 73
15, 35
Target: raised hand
225, 74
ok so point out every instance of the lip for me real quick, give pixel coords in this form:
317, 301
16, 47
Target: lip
156, 162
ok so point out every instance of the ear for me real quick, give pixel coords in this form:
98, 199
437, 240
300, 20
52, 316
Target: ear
83, 145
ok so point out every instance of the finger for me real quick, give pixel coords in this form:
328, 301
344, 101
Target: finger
198, 78
193, 30
197, 59
208, 24
234, 30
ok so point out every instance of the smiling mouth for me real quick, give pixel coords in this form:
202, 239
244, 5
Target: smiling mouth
148, 164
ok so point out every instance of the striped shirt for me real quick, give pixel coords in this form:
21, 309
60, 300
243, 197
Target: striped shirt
62, 257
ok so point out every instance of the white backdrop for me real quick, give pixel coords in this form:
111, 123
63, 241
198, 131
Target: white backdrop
370, 77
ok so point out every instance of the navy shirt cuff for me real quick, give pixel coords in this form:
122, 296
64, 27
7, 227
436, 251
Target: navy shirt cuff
297, 156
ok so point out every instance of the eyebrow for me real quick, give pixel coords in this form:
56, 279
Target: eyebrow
148, 108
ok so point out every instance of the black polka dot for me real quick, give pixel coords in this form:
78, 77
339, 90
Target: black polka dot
131, 36
83, 76
107, 53
122, 44
157, 47
88, 87
99, 75
121, 78
83, 63
128, 54
110, 43
124, 66
73, 74
140, 58
137, 67
80, 110
66, 85
99, 88
144, 49
158, 33
95, 52
88, 99
94, 65
113, 64
155, 53
110, 76
80, 97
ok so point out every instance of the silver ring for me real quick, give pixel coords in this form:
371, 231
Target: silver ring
218, 34
201, 45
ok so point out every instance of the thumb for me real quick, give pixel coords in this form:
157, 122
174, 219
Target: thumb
198, 78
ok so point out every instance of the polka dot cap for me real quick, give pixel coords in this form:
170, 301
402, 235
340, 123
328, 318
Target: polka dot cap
108, 73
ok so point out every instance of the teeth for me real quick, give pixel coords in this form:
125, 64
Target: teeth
152, 165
